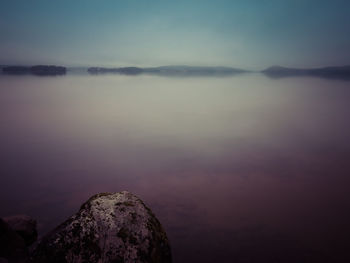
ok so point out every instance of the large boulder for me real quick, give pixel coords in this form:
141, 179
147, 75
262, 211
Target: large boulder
25, 226
12, 246
108, 228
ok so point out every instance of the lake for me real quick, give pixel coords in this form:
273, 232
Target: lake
237, 169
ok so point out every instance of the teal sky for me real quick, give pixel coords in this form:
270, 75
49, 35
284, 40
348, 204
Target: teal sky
242, 33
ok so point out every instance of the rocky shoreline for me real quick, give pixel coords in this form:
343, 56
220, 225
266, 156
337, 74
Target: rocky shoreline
108, 227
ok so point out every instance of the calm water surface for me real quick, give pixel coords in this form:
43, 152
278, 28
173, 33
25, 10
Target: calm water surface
237, 169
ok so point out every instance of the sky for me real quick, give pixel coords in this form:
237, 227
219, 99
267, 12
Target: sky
251, 34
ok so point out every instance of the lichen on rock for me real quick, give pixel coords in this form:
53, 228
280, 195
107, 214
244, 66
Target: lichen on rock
115, 228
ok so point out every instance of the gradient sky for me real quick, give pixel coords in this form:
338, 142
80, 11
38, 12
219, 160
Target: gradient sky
241, 33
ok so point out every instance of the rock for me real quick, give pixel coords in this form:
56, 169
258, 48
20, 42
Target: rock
25, 226
12, 246
115, 227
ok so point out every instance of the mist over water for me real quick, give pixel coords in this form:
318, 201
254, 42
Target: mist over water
237, 169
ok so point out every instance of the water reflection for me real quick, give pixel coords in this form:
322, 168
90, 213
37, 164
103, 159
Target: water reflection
243, 169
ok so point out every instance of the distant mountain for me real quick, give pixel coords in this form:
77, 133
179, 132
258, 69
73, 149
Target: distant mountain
41, 70
169, 71
341, 72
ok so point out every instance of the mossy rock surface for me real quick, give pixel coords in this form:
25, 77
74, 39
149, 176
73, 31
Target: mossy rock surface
109, 227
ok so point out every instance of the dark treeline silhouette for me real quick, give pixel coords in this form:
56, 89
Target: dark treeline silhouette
341, 72
41, 70
169, 71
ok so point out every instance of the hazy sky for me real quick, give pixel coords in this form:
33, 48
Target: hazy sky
241, 33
